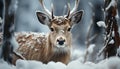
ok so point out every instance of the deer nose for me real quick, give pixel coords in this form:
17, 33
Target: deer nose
60, 42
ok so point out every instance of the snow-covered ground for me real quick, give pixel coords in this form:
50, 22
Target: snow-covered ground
111, 63
30, 23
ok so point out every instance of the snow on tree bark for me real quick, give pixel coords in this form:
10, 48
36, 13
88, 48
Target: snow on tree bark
9, 43
112, 36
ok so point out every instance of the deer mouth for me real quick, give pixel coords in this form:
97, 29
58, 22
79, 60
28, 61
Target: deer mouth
60, 46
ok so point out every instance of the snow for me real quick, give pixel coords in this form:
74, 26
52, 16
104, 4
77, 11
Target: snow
117, 16
32, 64
90, 48
112, 3
53, 65
5, 65
111, 42
35, 34
13, 6
113, 63
110, 63
77, 54
75, 64
36, 49
24, 64
14, 43
118, 51
113, 33
101, 24
1, 20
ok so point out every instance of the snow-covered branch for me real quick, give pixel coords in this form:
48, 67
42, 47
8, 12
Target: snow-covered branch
112, 36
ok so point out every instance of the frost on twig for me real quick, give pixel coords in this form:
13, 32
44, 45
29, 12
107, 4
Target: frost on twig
89, 39
112, 36
93, 33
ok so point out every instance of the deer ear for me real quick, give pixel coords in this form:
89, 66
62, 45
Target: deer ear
76, 17
43, 18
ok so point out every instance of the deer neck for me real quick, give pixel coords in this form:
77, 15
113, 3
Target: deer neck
58, 54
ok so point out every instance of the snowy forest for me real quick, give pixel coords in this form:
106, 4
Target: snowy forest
59, 34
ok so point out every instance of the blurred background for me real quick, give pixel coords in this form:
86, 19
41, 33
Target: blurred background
26, 19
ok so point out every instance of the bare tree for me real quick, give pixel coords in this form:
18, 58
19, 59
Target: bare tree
9, 43
112, 36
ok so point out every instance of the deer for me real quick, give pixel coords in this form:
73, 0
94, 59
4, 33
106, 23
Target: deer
56, 46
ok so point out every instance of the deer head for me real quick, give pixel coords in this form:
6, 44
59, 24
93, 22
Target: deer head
60, 26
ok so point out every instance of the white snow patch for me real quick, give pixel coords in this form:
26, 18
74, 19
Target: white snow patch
112, 3
53, 65
35, 34
90, 48
13, 6
29, 64
14, 43
113, 33
101, 65
117, 16
111, 42
12, 28
36, 49
0, 50
111, 63
78, 65
1, 20
77, 54
118, 51
32, 64
101, 24
5, 65
108, 35
99, 58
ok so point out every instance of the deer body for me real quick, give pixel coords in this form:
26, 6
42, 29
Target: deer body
34, 46
46, 48
57, 45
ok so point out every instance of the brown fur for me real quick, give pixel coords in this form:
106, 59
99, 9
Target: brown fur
43, 48
54, 47
39, 47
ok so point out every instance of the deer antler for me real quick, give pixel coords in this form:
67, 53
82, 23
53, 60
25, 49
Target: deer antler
52, 11
50, 14
68, 13
74, 8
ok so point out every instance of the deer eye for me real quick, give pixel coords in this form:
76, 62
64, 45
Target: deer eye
69, 29
51, 29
